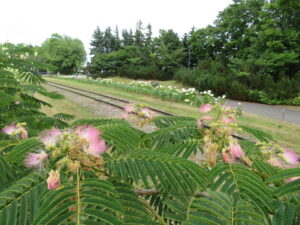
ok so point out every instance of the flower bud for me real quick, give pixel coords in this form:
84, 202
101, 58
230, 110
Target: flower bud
53, 180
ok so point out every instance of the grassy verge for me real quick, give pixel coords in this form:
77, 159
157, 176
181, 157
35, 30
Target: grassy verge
66, 106
287, 134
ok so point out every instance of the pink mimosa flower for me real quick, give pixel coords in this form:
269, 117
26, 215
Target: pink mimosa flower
23, 131
227, 157
291, 157
228, 107
36, 160
14, 129
53, 180
129, 108
88, 133
226, 120
205, 108
206, 118
10, 129
236, 150
96, 147
17, 102
93, 145
50, 137
147, 112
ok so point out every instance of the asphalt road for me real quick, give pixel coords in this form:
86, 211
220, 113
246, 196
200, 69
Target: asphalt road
274, 112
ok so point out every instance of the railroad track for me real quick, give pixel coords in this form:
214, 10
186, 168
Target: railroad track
113, 101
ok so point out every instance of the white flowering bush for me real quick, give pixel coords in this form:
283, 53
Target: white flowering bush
185, 95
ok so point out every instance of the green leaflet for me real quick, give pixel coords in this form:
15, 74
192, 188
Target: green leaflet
221, 209
241, 183
98, 204
20, 201
18, 153
134, 210
164, 171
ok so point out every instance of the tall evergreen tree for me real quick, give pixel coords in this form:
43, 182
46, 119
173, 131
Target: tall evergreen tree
97, 42
148, 38
127, 38
117, 39
169, 51
139, 37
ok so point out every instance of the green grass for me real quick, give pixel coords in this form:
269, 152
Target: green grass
66, 106
287, 134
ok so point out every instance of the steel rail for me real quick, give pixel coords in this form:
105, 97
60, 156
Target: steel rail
117, 99
99, 100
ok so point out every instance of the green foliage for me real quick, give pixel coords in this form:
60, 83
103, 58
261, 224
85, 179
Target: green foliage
20, 202
148, 183
221, 208
142, 178
135, 211
169, 50
63, 52
165, 172
242, 184
18, 86
256, 42
100, 199
136, 55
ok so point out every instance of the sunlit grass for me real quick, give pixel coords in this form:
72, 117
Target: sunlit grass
287, 134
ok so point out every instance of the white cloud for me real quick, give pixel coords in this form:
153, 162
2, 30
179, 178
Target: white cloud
32, 21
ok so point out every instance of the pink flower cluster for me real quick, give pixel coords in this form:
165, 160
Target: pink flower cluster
128, 109
204, 109
218, 139
15, 129
233, 152
291, 157
147, 113
36, 160
143, 114
92, 143
49, 138
287, 159
72, 145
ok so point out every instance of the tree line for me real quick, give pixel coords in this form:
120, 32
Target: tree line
136, 54
57, 54
251, 52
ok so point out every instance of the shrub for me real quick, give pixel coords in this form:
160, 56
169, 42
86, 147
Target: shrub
142, 72
258, 87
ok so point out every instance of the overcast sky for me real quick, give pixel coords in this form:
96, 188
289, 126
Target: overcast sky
32, 21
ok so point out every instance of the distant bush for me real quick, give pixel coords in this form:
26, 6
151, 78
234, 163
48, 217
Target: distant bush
142, 72
258, 87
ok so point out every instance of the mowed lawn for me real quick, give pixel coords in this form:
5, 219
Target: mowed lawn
286, 134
